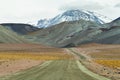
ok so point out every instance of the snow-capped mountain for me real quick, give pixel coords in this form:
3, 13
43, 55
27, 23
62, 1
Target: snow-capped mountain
70, 15
103, 18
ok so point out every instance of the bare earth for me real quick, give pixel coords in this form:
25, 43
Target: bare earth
65, 64
101, 52
13, 66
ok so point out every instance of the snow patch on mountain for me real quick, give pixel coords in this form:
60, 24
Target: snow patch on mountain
103, 18
71, 15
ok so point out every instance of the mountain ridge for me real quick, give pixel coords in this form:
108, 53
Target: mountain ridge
20, 28
75, 33
70, 15
64, 34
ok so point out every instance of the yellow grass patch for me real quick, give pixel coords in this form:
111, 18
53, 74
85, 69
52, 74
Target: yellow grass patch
33, 56
109, 63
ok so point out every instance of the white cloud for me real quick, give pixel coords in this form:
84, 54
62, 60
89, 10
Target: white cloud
86, 4
27, 10
117, 5
33, 10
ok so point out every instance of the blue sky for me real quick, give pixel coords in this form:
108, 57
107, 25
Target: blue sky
30, 11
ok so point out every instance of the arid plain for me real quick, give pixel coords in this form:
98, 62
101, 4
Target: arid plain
36, 62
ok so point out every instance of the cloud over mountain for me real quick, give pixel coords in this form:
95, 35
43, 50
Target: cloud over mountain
86, 4
117, 5
32, 10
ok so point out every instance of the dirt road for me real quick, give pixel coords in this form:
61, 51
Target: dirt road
56, 70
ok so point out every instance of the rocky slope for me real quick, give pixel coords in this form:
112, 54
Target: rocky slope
74, 33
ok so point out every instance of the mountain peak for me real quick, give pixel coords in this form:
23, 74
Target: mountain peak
70, 15
72, 12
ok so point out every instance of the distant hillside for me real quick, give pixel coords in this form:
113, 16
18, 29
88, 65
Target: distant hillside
74, 33
67, 33
8, 36
111, 34
20, 28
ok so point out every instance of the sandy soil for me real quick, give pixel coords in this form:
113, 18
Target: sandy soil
91, 49
10, 67
95, 47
